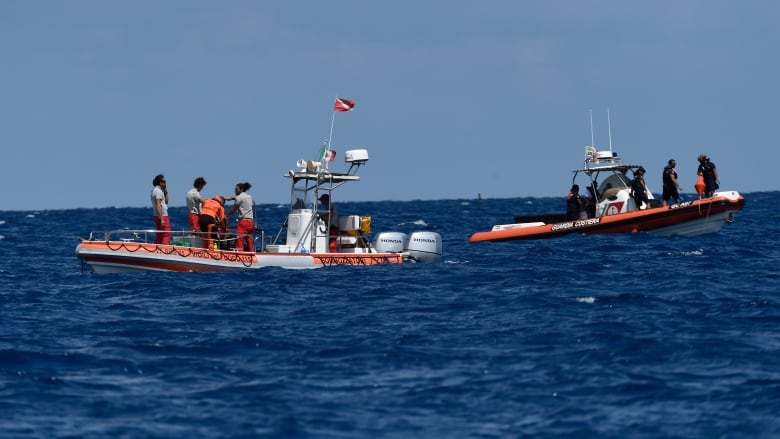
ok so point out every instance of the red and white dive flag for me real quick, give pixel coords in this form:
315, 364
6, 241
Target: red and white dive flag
343, 105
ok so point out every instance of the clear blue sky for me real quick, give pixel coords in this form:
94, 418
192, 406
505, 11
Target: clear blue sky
454, 98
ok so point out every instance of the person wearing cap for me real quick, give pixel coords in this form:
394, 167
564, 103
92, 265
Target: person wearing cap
671, 185
639, 189
709, 173
194, 203
574, 203
328, 210
211, 219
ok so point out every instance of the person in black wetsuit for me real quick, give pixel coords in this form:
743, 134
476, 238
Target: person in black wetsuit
590, 204
574, 203
671, 185
639, 189
709, 172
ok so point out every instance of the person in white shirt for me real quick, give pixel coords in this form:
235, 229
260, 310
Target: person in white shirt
195, 203
160, 204
245, 227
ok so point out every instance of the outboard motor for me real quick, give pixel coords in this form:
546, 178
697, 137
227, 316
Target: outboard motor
390, 242
424, 247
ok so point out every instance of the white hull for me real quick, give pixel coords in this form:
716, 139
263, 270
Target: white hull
701, 226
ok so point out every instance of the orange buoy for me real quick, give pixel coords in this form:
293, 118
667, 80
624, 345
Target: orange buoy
700, 186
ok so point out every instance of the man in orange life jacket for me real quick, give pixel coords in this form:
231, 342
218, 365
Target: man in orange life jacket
212, 219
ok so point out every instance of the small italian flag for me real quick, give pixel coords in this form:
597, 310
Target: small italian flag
327, 155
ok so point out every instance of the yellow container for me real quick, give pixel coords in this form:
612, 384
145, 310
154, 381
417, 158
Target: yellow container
365, 224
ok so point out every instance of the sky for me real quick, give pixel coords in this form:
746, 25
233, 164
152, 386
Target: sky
454, 99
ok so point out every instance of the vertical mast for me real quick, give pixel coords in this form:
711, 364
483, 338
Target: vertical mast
609, 128
324, 157
590, 113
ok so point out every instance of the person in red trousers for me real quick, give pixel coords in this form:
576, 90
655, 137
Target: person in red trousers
245, 227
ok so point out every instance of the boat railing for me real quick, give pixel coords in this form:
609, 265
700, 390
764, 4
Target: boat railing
185, 238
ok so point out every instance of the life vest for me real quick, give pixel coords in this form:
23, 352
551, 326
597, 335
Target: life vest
707, 169
213, 208
636, 186
573, 203
667, 176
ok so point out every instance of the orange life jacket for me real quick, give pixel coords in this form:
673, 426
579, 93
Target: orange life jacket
213, 208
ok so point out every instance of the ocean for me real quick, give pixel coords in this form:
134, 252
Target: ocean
608, 336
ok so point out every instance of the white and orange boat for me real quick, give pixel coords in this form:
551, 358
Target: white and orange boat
616, 211
304, 240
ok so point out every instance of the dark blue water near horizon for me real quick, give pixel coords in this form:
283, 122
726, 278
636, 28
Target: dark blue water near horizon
584, 336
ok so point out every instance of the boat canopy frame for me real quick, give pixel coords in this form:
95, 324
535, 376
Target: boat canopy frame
593, 168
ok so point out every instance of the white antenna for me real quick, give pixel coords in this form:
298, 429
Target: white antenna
590, 113
609, 128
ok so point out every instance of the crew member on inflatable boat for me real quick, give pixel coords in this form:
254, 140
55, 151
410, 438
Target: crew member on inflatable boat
160, 204
575, 205
639, 189
590, 203
212, 219
195, 203
246, 217
709, 172
671, 185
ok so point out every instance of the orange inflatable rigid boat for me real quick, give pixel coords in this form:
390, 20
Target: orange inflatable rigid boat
615, 211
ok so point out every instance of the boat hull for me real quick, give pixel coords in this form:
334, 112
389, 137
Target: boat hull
108, 257
690, 218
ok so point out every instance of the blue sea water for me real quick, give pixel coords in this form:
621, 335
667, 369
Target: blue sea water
583, 336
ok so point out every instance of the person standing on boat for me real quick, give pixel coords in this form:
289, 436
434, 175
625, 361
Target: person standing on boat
244, 205
328, 210
590, 204
212, 219
639, 189
575, 205
195, 202
709, 172
671, 185
160, 204
329, 214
